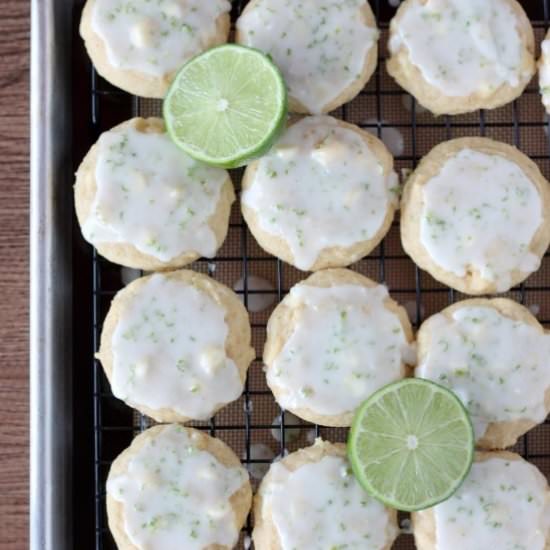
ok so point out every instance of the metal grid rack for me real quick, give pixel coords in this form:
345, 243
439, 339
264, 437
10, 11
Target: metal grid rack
255, 418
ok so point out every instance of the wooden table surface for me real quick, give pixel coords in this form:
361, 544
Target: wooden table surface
14, 279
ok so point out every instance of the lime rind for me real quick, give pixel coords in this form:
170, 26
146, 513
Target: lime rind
390, 443
174, 114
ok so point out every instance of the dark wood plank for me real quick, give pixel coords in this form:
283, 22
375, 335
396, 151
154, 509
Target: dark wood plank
14, 234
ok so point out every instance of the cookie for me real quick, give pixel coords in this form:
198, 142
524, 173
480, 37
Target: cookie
177, 487
140, 46
495, 356
335, 339
326, 49
457, 56
544, 72
324, 196
310, 499
504, 503
145, 204
176, 346
475, 215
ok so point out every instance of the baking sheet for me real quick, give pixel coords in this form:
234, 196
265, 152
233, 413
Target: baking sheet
74, 441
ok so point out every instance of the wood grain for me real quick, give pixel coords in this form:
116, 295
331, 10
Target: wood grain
14, 237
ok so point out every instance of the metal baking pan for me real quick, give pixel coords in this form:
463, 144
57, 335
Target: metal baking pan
77, 426
51, 277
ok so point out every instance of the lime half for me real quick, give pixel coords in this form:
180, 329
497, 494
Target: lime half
411, 444
226, 106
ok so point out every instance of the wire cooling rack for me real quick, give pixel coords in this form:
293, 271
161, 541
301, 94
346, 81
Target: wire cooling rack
254, 426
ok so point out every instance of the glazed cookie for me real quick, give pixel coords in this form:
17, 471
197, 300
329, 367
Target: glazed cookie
475, 215
335, 339
144, 203
176, 346
457, 56
324, 196
496, 357
544, 72
504, 504
326, 49
140, 45
176, 487
310, 499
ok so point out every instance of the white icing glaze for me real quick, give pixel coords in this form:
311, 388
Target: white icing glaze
321, 506
152, 195
176, 495
319, 45
503, 504
499, 368
544, 74
164, 358
345, 344
414, 310
319, 187
157, 37
481, 212
311, 436
256, 300
405, 526
461, 46
259, 451
392, 137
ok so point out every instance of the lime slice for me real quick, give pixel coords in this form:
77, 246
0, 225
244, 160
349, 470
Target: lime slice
411, 444
226, 106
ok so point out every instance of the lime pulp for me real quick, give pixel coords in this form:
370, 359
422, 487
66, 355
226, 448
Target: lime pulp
226, 106
411, 444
